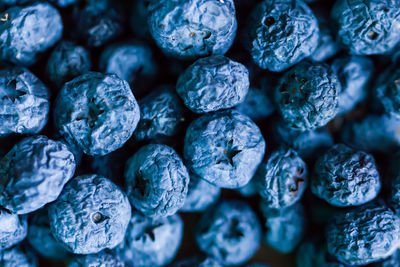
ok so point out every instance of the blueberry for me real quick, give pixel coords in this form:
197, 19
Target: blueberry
91, 214
311, 254
213, 83
41, 239
224, 148
24, 102
284, 228
282, 33
33, 173
230, 232
201, 194
354, 74
13, 229
372, 133
364, 234
157, 180
66, 62
308, 144
97, 112
18, 256
257, 105
388, 96
307, 96
327, 45
161, 114
192, 28
132, 61
104, 258
393, 260
283, 179
367, 27
345, 177
152, 242
25, 32
197, 261
98, 22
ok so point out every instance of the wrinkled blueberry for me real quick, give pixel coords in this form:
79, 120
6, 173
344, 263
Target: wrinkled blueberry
307, 96
282, 33
224, 148
283, 179
25, 32
157, 181
388, 94
364, 234
33, 173
201, 194
13, 229
345, 177
161, 114
192, 28
151, 242
285, 227
367, 27
230, 232
354, 74
311, 254
41, 239
213, 83
18, 256
97, 112
24, 102
91, 214
66, 62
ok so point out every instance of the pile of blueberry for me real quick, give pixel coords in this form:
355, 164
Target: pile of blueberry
204, 133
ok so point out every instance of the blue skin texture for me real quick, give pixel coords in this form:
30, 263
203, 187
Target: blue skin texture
156, 180
354, 73
257, 105
105, 258
66, 62
307, 144
151, 242
41, 239
33, 173
314, 255
307, 96
188, 29
230, 232
327, 45
197, 261
130, 61
284, 228
282, 179
28, 31
201, 194
367, 27
224, 148
13, 229
18, 256
161, 114
388, 96
345, 177
98, 22
97, 112
213, 83
90, 215
373, 133
364, 234
282, 33
24, 102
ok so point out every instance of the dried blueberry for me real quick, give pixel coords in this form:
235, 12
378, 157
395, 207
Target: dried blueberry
105, 258
13, 229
